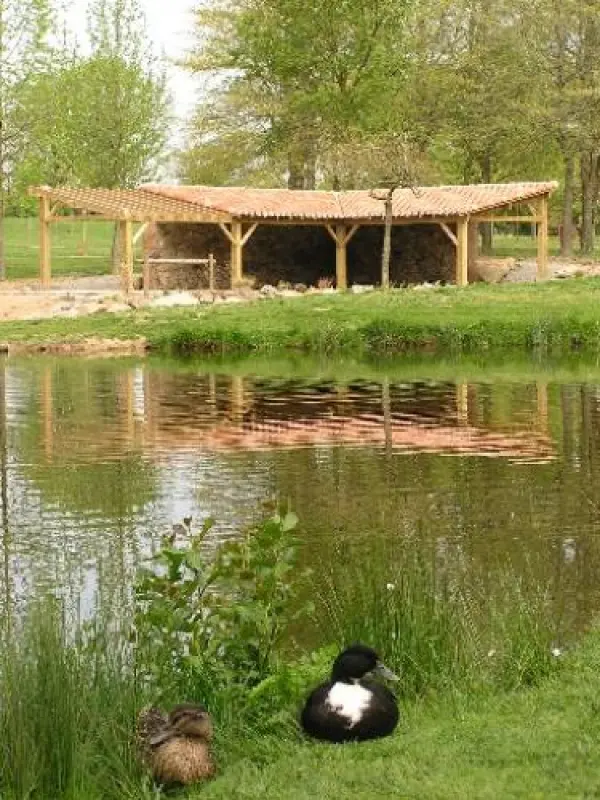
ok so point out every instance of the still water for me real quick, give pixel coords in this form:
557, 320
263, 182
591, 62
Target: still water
99, 458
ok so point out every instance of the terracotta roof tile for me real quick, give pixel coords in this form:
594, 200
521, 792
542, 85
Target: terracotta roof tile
421, 202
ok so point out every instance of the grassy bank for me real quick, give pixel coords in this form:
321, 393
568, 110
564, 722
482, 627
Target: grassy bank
539, 743
488, 709
69, 732
551, 316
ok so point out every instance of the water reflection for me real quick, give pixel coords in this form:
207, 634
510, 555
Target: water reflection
98, 458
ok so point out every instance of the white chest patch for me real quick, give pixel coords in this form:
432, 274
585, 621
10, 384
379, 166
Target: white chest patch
349, 700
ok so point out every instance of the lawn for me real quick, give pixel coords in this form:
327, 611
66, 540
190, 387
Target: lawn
540, 743
553, 315
77, 248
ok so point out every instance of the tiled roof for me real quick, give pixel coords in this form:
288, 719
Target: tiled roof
421, 202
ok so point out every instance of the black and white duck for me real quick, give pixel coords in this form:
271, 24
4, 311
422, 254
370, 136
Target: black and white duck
349, 706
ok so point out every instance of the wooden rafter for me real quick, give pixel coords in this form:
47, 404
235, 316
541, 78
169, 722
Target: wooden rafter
449, 233
504, 218
138, 205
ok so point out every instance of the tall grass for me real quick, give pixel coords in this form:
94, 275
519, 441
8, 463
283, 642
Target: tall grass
68, 702
67, 712
437, 625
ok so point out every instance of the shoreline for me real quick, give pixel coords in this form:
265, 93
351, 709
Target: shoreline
559, 316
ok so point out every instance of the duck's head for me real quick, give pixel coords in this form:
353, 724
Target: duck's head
358, 661
190, 719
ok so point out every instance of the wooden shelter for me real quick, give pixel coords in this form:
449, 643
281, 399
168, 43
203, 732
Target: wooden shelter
457, 210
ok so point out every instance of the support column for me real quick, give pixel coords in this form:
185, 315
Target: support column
126, 252
542, 239
45, 246
237, 239
341, 262
341, 236
462, 252
237, 267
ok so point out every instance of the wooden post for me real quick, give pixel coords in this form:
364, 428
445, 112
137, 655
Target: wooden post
126, 250
542, 239
462, 403
236, 254
462, 252
341, 264
45, 250
47, 410
387, 241
211, 272
542, 404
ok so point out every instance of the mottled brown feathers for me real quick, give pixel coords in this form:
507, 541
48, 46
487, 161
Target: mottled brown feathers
176, 748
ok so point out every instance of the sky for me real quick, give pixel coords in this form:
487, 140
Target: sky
169, 25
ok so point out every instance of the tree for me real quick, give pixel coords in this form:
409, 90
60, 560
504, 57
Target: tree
308, 70
24, 25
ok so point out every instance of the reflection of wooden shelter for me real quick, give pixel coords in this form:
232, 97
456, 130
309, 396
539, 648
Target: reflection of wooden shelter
457, 210
358, 431
230, 430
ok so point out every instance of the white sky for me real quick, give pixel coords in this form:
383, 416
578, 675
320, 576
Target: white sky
169, 24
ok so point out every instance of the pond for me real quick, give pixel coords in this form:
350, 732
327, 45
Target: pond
99, 458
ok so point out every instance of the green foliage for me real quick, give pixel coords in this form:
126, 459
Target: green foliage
437, 631
120, 83
67, 711
212, 618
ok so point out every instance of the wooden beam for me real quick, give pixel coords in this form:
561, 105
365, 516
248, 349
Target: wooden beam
45, 245
236, 254
341, 266
140, 232
449, 233
351, 233
497, 218
249, 233
126, 253
331, 232
226, 231
462, 252
542, 239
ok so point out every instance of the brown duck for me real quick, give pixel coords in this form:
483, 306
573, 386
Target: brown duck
176, 748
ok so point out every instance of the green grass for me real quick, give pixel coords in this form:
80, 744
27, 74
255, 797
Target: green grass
78, 248
477, 318
67, 718
539, 743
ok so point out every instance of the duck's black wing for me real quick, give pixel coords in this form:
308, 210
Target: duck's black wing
381, 715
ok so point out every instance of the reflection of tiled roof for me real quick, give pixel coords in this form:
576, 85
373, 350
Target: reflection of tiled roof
366, 430
422, 202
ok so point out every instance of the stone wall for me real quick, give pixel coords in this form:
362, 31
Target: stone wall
298, 254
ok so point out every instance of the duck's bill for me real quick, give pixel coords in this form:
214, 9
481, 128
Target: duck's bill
384, 672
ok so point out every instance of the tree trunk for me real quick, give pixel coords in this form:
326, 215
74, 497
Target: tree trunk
568, 224
295, 171
2, 204
487, 243
588, 200
387, 242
